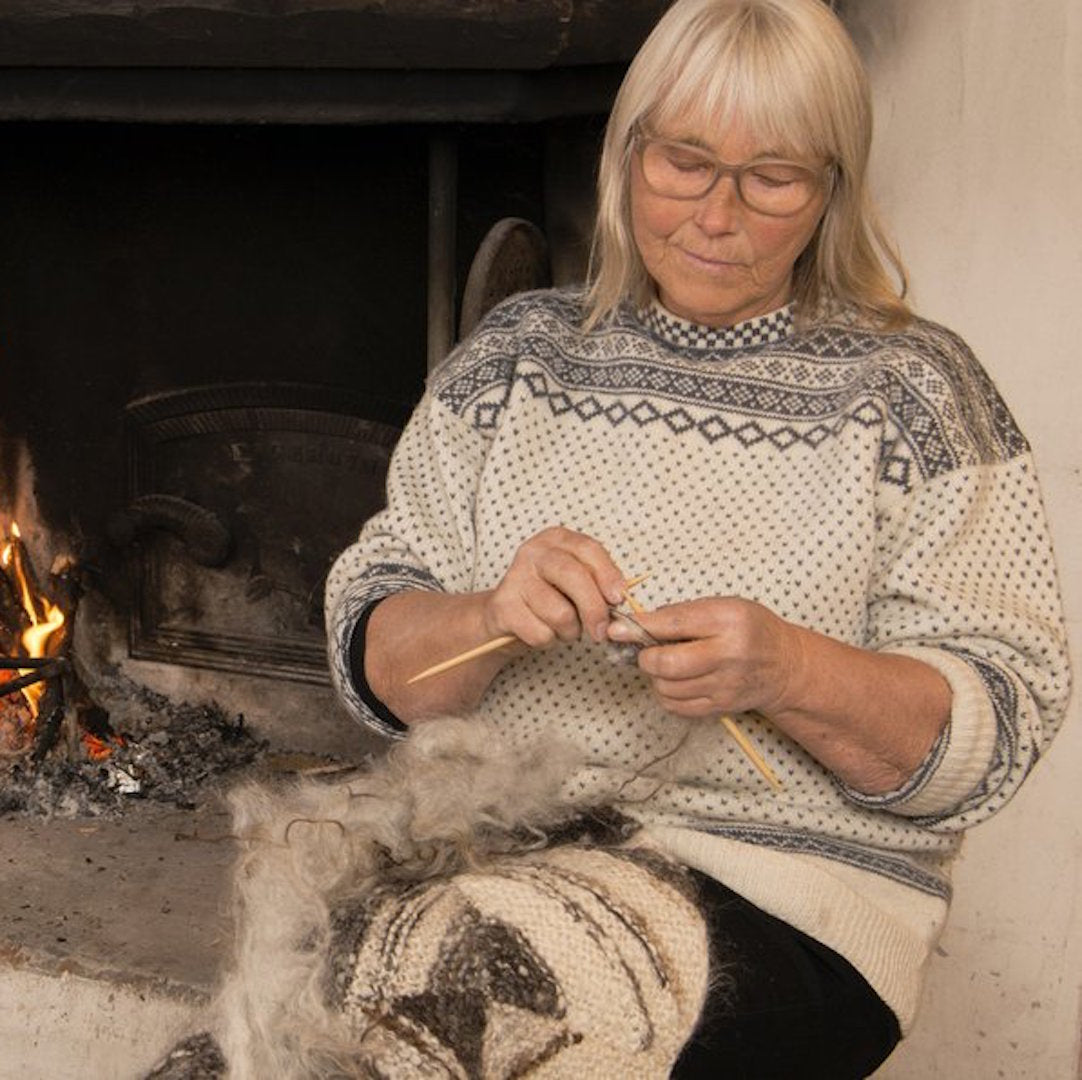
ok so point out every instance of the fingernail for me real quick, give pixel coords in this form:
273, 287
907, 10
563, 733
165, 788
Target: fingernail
617, 631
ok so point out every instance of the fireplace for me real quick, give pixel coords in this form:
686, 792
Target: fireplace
231, 245
233, 240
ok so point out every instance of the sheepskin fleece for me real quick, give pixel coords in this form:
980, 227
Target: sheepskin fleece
446, 914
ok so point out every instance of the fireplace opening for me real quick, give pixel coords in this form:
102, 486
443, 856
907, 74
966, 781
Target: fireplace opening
232, 243
212, 334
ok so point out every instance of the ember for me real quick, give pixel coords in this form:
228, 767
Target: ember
168, 753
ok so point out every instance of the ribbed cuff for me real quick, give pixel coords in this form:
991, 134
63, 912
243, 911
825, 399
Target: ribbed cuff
357, 641
961, 756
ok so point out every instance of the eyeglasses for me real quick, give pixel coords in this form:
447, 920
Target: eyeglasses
678, 170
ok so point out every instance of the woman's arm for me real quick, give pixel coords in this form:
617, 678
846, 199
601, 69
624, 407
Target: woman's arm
870, 718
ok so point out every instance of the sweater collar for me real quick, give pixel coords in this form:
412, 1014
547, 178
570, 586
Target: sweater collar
761, 330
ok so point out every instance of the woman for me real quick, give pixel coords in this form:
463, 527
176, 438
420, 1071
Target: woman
846, 548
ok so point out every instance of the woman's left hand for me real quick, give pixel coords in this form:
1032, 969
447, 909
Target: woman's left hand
869, 717
719, 654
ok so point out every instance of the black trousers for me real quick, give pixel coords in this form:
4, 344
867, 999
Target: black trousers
781, 1006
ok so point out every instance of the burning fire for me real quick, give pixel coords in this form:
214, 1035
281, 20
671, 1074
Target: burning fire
44, 616
33, 632
33, 651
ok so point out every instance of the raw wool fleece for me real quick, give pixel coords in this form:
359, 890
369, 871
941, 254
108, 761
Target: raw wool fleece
419, 920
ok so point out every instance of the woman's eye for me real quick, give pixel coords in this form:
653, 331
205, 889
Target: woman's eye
774, 178
770, 180
687, 163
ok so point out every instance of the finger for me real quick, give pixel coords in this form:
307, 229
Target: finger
575, 581
607, 577
693, 708
512, 612
688, 689
710, 616
532, 630
676, 622
555, 610
681, 661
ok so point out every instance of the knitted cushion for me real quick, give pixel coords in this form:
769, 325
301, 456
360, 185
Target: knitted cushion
568, 962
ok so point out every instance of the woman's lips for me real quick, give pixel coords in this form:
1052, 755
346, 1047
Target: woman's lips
710, 262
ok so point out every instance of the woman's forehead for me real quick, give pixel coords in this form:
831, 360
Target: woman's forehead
713, 131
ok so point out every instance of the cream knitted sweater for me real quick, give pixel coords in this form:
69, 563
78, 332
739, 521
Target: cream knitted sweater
870, 485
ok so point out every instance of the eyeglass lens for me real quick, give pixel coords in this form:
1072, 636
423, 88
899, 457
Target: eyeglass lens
680, 171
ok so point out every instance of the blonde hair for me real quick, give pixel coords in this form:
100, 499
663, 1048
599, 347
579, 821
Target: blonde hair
790, 71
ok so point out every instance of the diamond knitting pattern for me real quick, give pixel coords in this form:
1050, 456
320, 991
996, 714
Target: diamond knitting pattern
721, 383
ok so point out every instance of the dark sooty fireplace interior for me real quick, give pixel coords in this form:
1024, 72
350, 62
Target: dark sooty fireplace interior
211, 336
230, 245
225, 317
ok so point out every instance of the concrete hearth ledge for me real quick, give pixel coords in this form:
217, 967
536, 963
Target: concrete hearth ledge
112, 935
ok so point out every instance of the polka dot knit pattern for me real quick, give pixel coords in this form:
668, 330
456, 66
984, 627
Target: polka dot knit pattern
870, 485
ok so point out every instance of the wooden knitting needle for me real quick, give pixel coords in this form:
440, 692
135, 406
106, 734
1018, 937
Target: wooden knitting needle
470, 654
745, 744
490, 646
750, 752
632, 582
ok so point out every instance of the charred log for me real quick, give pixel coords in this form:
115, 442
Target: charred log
36, 671
50, 721
12, 616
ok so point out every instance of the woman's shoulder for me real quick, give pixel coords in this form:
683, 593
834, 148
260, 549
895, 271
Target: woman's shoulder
562, 305
536, 323
847, 330
921, 348
929, 378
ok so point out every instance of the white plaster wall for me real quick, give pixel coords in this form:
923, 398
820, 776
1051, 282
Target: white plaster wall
978, 167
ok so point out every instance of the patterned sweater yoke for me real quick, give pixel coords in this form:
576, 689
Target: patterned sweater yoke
870, 485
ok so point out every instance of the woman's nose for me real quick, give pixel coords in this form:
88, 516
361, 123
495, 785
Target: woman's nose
719, 207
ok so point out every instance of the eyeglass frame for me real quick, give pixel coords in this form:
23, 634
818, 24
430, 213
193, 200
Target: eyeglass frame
825, 175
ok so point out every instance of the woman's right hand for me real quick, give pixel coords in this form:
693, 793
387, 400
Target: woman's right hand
559, 586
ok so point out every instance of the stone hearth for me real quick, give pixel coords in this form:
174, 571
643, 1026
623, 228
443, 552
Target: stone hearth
113, 933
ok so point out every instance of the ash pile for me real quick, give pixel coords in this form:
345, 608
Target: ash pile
146, 747
63, 753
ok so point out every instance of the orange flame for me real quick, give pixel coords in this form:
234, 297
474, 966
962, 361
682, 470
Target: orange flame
45, 617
